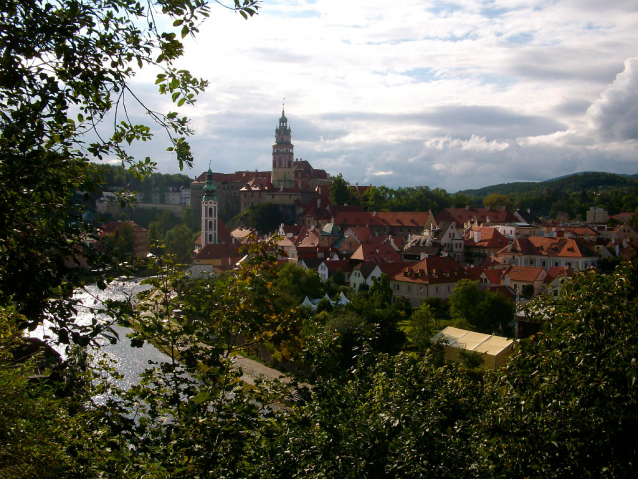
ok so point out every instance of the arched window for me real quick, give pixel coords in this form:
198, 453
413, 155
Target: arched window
210, 225
210, 238
210, 212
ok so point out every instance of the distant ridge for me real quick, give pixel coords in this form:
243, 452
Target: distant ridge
588, 180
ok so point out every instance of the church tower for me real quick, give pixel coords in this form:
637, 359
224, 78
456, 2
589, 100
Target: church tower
209, 211
282, 156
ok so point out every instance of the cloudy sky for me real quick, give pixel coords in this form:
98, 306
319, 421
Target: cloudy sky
457, 95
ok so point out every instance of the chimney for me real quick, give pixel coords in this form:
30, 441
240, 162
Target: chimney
318, 202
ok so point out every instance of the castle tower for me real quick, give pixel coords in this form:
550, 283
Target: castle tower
209, 211
282, 156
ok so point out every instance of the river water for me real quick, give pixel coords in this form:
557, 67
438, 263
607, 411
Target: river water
129, 361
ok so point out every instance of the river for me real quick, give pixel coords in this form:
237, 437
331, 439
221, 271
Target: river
132, 361
129, 361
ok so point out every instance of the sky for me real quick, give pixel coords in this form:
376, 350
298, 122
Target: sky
455, 95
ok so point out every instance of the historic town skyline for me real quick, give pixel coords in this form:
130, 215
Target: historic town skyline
450, 94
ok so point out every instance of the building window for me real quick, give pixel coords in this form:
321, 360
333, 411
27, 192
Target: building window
408, 289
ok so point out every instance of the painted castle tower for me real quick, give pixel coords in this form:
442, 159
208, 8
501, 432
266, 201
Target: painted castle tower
209, 212
282, 156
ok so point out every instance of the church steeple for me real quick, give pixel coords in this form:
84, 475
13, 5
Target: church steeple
209, 211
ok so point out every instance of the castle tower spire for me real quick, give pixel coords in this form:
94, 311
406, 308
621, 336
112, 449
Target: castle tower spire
283, 155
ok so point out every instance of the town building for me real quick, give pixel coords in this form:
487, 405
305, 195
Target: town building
548, 252
432, 277
597, 215
291, 182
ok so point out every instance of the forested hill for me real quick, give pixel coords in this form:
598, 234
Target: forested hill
588, 181
117, 177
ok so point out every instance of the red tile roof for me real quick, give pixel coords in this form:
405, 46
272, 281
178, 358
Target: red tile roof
383, 253
555, 247
488, 237
527, 274
432, 270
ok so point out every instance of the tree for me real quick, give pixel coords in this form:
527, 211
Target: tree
422, 327
461, 200
293, 284
179, 243
339, 191
494, 314
570, 394
402, 416
497, 201
464, 302
483, 311
66, 66
189, 220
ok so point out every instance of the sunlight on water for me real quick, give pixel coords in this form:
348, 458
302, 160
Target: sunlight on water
129, 361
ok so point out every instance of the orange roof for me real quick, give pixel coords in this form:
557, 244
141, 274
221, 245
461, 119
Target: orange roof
355, 218
308, 238
383, 253
555, 247
216, 251
403, 219
488, 237
527, 274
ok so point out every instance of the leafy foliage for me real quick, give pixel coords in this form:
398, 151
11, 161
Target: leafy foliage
422, 327
569, 395
483, 311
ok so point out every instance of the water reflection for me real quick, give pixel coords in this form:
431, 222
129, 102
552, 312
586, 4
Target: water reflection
130, 362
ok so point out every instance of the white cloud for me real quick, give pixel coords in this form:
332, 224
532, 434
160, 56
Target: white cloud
475, 143
446, 94
615, 114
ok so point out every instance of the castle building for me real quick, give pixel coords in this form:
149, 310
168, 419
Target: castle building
209, 212
290, 182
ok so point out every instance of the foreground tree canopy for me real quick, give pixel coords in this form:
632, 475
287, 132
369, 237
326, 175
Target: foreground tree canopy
565, 405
